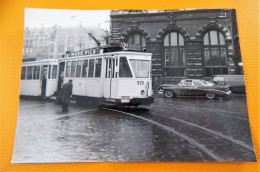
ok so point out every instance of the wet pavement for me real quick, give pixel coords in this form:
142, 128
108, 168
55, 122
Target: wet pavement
176, 129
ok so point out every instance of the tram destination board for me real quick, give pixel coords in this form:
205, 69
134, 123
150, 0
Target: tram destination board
150, 95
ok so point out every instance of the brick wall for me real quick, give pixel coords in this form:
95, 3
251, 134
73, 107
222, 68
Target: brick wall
191, 25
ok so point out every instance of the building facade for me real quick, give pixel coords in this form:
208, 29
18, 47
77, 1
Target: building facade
48, 43
195, 43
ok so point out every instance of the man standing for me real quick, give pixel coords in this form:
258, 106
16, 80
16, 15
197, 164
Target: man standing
66, 92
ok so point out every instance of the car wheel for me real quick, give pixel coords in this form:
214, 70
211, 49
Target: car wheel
169, 93
210, 95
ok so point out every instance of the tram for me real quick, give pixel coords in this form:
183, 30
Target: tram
39, 78
108, 75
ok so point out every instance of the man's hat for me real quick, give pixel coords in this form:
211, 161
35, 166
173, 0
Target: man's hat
70, 80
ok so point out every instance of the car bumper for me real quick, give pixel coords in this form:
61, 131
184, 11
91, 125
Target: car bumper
229, 92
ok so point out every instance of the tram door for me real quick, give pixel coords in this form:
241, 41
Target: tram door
61, 75
44, 79
110, 84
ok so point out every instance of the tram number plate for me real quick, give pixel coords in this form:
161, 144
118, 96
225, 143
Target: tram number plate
125, 99
140, 82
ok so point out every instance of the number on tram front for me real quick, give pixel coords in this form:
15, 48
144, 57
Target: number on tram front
140, 82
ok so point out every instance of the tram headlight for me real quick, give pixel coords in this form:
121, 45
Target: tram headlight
142, 92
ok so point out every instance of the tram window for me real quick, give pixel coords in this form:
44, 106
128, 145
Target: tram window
109, 68
140, 68
67, 69
113, 68
124, 69
98, 68
116, 73
36, 72
78, 69
107, 61
54, 72
23, 76
29, 72
73, 68
91, 68
49, 72
85, 68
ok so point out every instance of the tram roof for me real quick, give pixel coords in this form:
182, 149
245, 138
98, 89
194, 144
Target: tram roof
44, 61
103, 55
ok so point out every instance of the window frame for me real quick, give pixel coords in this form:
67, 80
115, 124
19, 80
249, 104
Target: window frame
129, 66
209, 68
86, 76
27, 69
96, 63
52, 72
80, 71
67, 72
142, 40
25, 73
37, 76
93, 75
71, 69
168, 48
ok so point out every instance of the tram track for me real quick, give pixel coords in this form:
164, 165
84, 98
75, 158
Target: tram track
181, 135
187, 108
57, 117
201, 108
22, 107
212, 132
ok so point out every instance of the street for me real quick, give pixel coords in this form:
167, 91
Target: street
171, 129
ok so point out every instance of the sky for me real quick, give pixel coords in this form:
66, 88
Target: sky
37, 17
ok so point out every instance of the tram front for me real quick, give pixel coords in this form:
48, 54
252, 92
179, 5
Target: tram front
129, 76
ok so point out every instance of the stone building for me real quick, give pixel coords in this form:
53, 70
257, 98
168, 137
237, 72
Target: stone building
195, 43
53, 42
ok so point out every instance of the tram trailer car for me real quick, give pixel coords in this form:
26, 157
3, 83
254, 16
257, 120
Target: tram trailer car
121, 78
39, 78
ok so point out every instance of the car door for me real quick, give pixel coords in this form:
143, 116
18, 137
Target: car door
186, 88
200, 88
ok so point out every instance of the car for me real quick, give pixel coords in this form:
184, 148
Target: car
236, 82
194, 87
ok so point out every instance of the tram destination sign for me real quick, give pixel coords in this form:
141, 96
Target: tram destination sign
89, 51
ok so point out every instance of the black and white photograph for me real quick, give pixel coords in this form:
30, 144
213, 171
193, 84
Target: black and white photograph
132, 86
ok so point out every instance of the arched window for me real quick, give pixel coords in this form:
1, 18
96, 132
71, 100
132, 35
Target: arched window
136, 41
174, 55
215, 53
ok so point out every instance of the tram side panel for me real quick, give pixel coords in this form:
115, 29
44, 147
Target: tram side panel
30, 88
88, 87
51, 87
86, 76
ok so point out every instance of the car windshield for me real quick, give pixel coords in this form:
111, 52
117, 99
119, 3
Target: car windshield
140, 68
207, 83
